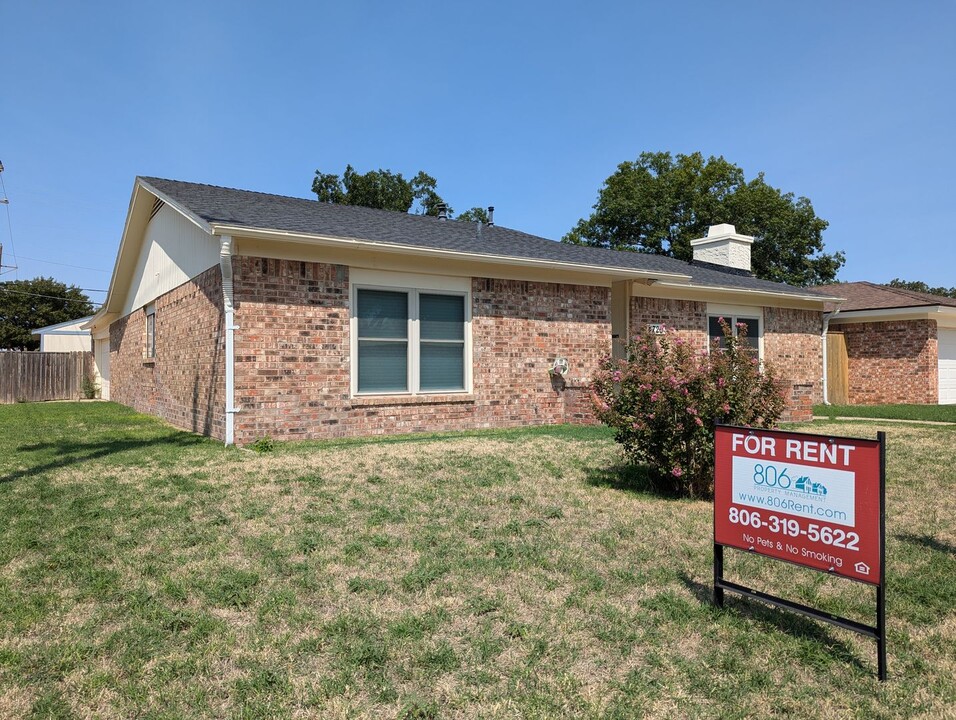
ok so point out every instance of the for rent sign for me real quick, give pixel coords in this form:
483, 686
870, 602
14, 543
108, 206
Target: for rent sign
813, 500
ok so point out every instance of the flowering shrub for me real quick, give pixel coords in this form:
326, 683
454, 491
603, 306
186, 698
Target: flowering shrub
665, 400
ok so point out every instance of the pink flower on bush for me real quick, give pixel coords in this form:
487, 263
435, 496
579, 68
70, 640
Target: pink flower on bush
655, 396
700, 423
721, 382
616, 376
676, 471
691, 411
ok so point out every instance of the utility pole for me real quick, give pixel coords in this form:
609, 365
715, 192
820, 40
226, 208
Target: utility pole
5, 201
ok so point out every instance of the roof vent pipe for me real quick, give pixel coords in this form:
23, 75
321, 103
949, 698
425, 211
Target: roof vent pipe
442, 211
491, 215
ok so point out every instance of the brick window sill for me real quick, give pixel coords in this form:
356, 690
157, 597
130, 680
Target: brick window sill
386, 400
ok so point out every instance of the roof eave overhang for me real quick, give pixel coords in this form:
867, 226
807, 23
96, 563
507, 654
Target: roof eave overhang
617, 273
101, 318
753, 294
933, 312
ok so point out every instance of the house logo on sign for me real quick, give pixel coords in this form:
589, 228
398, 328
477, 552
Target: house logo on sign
862, 568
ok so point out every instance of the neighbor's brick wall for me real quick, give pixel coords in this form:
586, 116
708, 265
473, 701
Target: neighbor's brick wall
892, 362
293, 364
185, 383
792, 343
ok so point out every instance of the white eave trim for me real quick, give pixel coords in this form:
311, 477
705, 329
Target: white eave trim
332, 241
754, 294
47, 329
932, 312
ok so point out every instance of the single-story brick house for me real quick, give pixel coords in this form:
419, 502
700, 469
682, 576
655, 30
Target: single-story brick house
891, 345
240, 314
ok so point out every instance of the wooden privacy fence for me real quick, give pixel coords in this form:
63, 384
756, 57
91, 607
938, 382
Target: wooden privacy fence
837, 369
36, 376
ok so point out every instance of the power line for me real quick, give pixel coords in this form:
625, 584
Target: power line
51, 297
50, 262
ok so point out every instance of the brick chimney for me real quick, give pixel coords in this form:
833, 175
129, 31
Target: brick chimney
723, 246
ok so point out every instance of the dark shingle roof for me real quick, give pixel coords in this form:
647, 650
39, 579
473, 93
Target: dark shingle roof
869, 296
245, 208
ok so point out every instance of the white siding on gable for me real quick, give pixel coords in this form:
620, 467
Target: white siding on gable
947, 366
174, 250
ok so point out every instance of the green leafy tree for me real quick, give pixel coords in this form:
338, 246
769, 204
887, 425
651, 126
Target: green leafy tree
659, 203
918, 286
476, 214
26, 305
381, 189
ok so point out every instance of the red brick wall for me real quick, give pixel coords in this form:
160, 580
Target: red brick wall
687, 318
892, 362
791, 342
185, 383
293, 363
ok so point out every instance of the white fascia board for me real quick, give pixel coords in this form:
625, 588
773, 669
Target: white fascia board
61, 332
940, 313
264, 234
754, 295
48, 328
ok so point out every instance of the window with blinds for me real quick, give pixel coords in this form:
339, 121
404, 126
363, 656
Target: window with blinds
410, 341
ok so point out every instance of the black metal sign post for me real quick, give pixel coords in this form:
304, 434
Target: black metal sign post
877, 632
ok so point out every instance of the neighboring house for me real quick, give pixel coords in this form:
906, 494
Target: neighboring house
891, 345
239, 315
69, 336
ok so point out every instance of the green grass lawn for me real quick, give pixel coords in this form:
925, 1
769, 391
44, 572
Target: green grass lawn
148, 573
936, 413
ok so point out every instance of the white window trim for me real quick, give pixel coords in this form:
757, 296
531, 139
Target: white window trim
734, 313
413, 284
150, 311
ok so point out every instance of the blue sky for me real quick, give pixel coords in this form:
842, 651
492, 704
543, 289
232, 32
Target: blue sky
525, 106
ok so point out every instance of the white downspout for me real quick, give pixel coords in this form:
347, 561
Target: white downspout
225, 265
826, 329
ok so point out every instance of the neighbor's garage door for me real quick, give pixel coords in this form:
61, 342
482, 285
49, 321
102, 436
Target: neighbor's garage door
947, 367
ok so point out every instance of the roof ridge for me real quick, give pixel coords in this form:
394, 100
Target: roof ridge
363, 208
147, 178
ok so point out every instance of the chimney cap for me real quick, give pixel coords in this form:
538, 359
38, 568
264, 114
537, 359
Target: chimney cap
723, 231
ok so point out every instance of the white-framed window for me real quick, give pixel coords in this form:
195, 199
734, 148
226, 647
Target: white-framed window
750, 317
150, 331
410, 334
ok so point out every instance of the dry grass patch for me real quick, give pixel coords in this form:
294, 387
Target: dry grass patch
512, 574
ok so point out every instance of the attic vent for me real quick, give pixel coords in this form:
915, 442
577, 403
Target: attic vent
156, 208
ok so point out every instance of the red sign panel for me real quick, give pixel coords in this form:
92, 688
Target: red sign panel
813, 500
